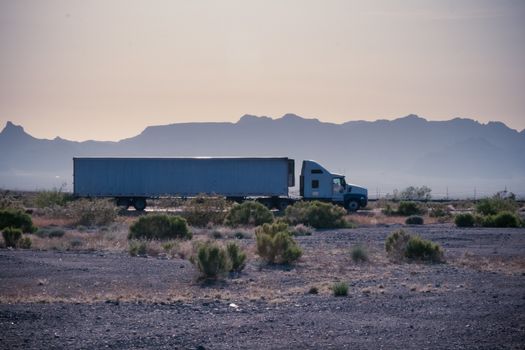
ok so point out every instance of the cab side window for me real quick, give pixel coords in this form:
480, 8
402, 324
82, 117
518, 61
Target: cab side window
315, 183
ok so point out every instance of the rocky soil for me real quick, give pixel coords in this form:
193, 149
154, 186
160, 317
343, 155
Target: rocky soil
87, 300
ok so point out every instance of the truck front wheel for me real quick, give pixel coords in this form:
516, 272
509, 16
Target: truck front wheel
352, 206
139, 204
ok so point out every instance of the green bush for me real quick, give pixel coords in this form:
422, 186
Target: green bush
202, 210
408, 208
275, 244
137, 248
502, 219
340, 289
25, 243
237, 257
464, 220
248, 213
212, 260
11, 236
422, 249
16, 219
359, 254
495, 205
159, 226
92, 212
400, 245
316, 214
414, 220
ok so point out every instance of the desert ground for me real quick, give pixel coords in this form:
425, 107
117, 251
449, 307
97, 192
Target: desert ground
105, 298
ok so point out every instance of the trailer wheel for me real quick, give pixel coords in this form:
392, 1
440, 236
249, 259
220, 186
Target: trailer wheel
282, 205
139, 204
123, 202
352, 206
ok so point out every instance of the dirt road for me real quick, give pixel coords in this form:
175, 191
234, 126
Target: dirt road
86, 300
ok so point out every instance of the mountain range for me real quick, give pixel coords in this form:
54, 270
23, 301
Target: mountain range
459, 157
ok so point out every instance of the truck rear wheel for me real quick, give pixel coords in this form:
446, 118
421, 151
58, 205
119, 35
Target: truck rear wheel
139, 204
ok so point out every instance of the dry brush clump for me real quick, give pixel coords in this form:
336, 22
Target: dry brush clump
203, 211
85, 212
359, 254
414, 220
275, 244
54, 197
401, 246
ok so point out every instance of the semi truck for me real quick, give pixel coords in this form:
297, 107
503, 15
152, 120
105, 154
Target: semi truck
131, 181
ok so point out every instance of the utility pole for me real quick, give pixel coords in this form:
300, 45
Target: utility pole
474, 192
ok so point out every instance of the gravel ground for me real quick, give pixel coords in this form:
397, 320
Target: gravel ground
86, 300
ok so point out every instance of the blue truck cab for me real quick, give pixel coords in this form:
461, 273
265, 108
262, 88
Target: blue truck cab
318, 183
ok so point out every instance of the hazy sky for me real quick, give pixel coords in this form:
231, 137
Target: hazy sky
106, 69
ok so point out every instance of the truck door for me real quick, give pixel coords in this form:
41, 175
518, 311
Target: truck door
338, 189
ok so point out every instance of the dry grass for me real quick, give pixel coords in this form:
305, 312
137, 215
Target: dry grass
377, 218
499, 264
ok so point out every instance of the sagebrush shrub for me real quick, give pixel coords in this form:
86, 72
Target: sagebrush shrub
408, 208
212, 260
16, 219
203, 210
414, 220
421, 249
248, 213
160, 226
464, 220
340, 289
359, 254
316, 214
502, 219
237, 257
11, 236
275, 244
